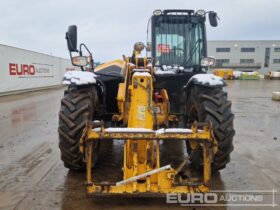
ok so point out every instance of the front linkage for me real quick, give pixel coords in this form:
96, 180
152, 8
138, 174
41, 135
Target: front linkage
157, 179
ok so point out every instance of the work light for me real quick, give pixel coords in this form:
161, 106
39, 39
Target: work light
200, 12
157, 12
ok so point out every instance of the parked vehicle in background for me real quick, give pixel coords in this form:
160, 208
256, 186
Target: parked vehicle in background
224, 73
272, 75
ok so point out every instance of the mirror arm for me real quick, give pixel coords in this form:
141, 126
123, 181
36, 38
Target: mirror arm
81, 54
71, 58
83, 45
82, 68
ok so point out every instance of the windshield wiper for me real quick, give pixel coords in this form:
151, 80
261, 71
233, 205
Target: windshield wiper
193, 50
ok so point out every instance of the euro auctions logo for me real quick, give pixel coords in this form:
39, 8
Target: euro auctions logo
192, 198
30, 70
21, 70
254, 198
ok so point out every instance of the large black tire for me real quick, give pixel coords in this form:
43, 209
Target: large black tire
77, 107
211, 104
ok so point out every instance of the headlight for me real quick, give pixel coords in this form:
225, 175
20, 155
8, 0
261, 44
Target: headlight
80, 61
157, 12
207, 61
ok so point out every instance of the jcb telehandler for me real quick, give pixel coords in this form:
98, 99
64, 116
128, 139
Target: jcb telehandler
165, 95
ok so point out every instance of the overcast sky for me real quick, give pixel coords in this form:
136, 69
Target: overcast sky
110, 28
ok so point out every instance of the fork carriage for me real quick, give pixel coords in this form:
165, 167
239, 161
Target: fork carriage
141, 176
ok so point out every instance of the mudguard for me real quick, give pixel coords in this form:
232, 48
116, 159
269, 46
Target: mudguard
83, 79
207, 80
79, 78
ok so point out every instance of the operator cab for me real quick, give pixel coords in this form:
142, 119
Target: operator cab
177, 40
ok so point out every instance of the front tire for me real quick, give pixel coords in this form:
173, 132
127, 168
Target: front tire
211, 104
78, 106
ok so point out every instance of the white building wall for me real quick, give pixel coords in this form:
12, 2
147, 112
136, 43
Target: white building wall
235, 53
24, 70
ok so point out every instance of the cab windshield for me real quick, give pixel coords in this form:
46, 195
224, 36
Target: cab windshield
178, 42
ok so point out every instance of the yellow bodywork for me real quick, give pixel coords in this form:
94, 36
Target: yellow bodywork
143, 110
120, 63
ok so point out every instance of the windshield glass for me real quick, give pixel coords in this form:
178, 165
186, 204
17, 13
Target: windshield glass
178, 43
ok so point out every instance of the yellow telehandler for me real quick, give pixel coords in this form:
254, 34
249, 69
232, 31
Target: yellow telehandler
165, 95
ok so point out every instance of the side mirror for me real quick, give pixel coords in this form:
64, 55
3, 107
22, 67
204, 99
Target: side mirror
213, 19
71, 37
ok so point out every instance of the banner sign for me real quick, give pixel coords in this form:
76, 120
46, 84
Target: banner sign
23, 69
